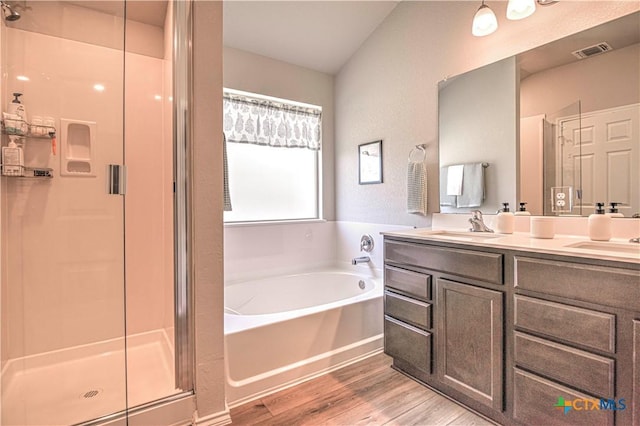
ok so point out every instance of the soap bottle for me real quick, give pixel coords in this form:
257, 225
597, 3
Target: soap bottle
613, 211
12, 158
522, 210
505, 220
599, 224
18, 108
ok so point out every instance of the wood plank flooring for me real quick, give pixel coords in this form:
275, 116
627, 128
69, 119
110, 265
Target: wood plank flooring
365, 393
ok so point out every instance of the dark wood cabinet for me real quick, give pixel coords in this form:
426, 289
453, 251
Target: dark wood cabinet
469, 342
535, 400
507, 332
407, 343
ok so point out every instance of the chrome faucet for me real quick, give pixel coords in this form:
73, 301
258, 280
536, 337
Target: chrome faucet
361, 259
477, 224
635, 240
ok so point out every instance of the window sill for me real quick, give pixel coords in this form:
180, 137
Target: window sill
273, 222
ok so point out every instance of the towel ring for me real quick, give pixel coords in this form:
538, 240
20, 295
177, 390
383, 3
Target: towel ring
421, 149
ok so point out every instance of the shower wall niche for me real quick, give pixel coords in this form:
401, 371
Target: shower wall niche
77, 147
87, 275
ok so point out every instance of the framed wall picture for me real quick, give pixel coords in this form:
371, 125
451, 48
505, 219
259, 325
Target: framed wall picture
370, 163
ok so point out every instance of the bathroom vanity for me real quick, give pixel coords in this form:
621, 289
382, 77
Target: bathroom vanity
520, 333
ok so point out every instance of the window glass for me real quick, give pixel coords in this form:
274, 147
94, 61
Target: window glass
272, 150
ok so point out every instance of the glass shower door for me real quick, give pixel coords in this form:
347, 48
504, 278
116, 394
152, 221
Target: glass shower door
563, 187
63, 269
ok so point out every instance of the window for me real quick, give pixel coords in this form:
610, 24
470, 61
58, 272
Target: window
272, 148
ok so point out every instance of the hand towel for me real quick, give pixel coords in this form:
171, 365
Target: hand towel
225, 168
445, 200
472, 186
454, 179
417, 188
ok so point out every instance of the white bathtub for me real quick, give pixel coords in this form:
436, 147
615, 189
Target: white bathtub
280, 331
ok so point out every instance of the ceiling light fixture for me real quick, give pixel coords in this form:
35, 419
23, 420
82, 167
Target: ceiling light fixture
484, 22
520, 9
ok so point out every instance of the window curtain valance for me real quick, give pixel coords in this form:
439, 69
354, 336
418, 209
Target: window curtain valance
269, 123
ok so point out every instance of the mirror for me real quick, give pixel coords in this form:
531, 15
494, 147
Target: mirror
370, 163
574, 125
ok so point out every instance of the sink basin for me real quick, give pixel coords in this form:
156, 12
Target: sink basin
631, 248
464, 236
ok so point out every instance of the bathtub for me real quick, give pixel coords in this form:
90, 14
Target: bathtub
280, 331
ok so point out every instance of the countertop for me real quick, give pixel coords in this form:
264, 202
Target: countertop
615, 249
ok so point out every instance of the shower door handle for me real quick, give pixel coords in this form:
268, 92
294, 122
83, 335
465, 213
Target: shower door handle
116, 179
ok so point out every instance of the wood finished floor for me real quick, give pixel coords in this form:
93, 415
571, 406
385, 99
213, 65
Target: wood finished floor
369, 392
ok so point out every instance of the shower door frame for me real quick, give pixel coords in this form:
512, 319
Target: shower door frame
183, 121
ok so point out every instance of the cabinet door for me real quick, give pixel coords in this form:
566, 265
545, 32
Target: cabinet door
635, 403
469, 341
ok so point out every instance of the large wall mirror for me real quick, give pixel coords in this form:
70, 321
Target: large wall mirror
556, 131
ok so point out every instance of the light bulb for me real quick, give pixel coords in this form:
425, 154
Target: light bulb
484, 22
520, 9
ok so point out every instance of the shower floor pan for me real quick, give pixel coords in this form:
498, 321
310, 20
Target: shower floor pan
79, 384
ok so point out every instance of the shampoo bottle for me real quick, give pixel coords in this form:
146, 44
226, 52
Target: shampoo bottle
613, 210
522, 211
12, 158
599, 224
17, 108
505, 220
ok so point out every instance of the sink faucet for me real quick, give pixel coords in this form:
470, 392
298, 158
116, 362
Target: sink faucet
635, 240
477, 224
361, 259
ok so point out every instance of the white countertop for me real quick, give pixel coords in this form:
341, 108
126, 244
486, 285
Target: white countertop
616, 249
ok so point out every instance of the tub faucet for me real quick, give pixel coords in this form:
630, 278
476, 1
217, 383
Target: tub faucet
477, 224
361, 259
635, 240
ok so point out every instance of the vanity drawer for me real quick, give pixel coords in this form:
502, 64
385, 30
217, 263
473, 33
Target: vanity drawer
407, 282
575, 325
408, 310
407, 343
597, 284
468, 263
579, 369
534, 400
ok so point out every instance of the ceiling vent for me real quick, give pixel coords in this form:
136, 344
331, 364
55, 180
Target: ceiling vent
596, 49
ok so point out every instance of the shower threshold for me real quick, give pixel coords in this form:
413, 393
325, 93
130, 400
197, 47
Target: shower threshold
85, 382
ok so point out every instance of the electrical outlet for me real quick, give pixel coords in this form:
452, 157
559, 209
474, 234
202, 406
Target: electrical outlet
561, 199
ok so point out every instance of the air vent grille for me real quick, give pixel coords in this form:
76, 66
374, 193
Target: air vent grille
596, 49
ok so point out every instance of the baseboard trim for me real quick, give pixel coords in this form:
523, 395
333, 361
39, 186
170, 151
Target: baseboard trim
216, 419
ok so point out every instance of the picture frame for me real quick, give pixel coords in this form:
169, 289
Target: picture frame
370, 163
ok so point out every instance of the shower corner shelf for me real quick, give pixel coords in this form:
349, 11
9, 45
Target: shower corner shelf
33, 173
35, 131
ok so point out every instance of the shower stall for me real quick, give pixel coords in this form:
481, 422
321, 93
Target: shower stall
95, 310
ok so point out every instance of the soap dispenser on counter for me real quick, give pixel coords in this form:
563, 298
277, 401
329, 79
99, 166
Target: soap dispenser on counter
599, 224
505, 221
522, 210
613, 210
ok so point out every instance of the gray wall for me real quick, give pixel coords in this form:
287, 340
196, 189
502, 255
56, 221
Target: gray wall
388, 89
258, 74
477, 123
